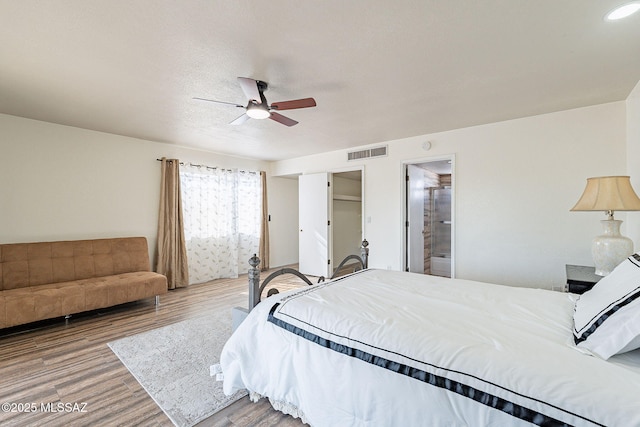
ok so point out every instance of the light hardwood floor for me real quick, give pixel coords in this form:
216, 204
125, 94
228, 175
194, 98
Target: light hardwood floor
71, 363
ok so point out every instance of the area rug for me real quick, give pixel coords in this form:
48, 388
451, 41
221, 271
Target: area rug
172, 364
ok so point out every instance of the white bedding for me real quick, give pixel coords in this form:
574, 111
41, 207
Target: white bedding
383, 348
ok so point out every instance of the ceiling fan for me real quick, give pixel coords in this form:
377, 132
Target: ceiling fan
258, 108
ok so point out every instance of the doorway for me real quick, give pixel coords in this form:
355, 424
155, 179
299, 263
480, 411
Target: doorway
346, 215
429, 219
330, 219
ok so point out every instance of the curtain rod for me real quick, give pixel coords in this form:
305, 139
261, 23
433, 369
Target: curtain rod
205, 166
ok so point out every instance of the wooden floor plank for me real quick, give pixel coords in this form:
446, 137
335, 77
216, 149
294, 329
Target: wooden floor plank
70, 362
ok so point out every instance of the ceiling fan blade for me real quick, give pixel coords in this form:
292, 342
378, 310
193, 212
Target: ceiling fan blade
220, 102
250, 89
282, 119
296, 103
240, 120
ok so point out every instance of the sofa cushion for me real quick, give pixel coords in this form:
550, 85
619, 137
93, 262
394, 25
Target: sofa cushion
15, 274
67, 297
25, 305
147, 284
19, 306
121, 288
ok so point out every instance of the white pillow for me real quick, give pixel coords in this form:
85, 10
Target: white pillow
606, 319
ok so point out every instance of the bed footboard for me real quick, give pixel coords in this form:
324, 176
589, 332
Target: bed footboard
362, 262
255, 288
238, 314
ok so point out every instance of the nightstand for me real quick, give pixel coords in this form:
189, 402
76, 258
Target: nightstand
580, 278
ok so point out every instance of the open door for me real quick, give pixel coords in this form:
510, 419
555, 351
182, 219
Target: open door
314, 195
415, 219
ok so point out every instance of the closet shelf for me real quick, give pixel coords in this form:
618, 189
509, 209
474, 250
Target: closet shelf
347, 198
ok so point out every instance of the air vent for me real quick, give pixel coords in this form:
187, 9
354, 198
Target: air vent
370, 152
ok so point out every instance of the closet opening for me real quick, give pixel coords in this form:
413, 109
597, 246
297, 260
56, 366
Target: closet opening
330, 219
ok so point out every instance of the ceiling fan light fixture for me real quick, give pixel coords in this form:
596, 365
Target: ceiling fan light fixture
623, 11
258, 108
257, 112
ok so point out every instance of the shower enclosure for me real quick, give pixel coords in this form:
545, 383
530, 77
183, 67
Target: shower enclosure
429, 218
440, 231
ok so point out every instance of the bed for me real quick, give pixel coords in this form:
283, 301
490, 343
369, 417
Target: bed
383, 348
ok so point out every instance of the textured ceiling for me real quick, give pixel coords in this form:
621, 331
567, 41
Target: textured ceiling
378, 70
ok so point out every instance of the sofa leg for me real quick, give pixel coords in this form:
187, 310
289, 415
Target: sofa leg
66, 318
157, 299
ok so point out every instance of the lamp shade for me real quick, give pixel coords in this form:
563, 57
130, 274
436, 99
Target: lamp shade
608, 193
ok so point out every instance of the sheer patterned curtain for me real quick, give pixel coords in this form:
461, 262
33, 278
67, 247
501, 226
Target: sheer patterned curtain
222, 211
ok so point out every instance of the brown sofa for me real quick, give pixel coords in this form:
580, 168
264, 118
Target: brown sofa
53, 279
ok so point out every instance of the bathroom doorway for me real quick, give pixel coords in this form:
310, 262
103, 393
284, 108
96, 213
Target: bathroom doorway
429, 217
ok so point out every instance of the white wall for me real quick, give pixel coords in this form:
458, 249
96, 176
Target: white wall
515, 182
64, 183
283, 228
633, 160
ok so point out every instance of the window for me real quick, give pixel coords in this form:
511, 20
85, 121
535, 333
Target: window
222, 217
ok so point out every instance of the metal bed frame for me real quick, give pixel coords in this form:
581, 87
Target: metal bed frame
256, 288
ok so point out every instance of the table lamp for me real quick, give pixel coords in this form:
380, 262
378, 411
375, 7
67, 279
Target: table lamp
609, 194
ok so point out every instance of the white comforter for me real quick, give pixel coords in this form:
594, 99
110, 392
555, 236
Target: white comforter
382, 348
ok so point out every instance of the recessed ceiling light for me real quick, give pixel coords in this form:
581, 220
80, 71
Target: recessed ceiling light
623, 11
